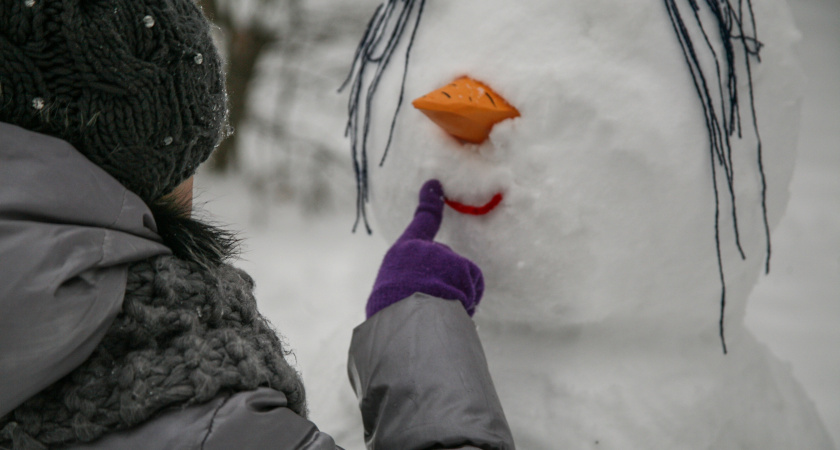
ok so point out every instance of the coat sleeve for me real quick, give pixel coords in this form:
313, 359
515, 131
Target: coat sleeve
421, 378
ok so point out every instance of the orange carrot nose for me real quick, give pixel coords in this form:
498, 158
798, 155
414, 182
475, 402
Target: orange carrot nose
466, 109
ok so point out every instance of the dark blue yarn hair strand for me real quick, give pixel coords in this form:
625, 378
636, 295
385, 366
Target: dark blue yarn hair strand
381, 39
722, 111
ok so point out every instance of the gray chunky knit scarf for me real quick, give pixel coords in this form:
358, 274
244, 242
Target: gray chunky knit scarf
185, 335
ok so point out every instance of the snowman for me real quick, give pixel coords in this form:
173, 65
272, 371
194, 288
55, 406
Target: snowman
616, 169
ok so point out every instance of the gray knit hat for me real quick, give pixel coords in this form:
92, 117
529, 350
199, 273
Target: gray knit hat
135, 85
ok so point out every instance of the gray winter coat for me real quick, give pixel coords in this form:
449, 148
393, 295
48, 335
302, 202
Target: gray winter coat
67, 234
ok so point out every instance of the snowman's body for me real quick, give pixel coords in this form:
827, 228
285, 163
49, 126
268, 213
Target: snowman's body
581, 389
601, 314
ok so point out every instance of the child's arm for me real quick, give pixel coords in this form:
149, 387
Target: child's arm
417, 364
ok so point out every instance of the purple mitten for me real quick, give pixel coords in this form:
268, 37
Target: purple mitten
416, 263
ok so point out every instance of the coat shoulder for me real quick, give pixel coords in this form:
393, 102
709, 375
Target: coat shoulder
246, 420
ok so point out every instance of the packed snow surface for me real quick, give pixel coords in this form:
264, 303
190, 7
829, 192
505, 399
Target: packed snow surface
600, 318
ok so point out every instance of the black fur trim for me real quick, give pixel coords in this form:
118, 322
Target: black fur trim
190, 239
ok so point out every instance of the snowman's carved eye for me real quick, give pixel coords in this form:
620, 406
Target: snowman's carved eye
467, 109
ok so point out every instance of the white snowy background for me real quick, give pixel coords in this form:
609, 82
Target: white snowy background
313, 275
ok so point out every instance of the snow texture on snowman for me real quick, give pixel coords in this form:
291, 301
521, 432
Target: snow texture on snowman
639, 181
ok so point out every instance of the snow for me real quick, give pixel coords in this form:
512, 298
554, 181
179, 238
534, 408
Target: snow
796, 309
313, 276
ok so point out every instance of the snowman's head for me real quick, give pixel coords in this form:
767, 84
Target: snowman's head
614, 199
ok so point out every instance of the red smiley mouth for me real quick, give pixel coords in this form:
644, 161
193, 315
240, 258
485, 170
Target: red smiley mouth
475, 210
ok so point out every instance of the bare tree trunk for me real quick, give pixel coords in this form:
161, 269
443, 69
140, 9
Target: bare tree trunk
245, 48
